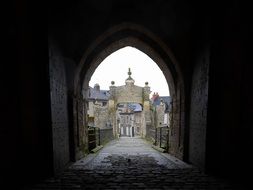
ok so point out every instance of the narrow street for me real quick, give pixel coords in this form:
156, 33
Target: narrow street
131, 163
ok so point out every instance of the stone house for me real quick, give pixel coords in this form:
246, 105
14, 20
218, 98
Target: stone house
129, 119
97, 103
161, 109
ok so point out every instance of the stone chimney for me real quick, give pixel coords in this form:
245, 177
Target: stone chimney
97, 87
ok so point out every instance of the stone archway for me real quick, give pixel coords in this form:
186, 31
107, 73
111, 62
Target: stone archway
120, 36
129, 93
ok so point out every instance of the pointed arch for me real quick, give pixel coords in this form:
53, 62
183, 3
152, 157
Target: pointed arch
117, 37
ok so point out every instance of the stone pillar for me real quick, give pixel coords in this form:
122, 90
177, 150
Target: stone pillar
146, 108
112, 109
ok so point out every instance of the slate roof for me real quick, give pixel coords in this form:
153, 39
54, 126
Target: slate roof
166, 100
98, 94
135, 107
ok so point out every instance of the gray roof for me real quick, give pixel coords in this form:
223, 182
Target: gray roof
135, 107
98, 94
166, 99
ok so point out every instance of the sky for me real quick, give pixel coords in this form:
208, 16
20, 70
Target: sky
143, 68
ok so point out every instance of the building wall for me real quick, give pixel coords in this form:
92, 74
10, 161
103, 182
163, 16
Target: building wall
101, 116
91, 109
229, 129
25, 129
59, 111
160, 111
126, 124
106, 135
166, 120
198, 110
129, 94
138, 122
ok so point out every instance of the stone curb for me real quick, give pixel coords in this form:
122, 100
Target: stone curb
96, 149
158, 148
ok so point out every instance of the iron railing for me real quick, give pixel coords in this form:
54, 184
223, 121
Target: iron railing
92, 138
161, 137
97, 136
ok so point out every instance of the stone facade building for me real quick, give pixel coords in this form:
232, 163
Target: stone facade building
97, 103
130, 105
161, 109
130, 119
125, 108
161, 126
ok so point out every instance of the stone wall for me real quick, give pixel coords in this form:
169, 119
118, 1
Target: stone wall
101, 116
129, 94
198, 111
150, 133
59, 112
160, 115
176, 146
90, 111
106, 135
177, 24
137, 123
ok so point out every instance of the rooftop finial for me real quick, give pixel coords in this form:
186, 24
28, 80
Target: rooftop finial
129, 72
129, 80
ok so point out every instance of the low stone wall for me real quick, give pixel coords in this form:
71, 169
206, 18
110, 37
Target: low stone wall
150, 133
106, 135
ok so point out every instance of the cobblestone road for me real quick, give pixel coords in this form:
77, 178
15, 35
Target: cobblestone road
131, 163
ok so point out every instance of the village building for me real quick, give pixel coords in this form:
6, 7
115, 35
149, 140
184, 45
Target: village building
129, 119
97, 103
127, 109
161, 109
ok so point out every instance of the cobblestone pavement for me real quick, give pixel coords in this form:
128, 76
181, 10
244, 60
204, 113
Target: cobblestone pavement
131, 163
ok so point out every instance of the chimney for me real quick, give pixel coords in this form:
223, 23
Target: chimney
97, 87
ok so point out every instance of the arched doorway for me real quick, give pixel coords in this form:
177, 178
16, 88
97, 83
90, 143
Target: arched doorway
120, 36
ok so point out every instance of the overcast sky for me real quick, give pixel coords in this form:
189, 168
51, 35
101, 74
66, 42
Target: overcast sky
143, 68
